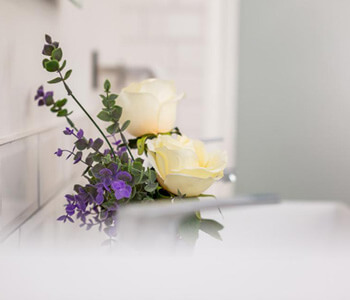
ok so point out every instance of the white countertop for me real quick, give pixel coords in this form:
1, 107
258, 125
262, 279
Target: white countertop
291, 250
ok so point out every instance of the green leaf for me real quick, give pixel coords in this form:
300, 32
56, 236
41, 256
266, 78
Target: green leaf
48, 39
96, 169
112, 97
176, 130
137, 165
152, 175
112, 129
189, 229
151, 187
86, 170
81, 144
57, 54
52, 65
116, 113
62, 113
125, 125
63, 65
141, 145
107, 159
107, 85
104, 116
77, 188
70, 122
45, 60
67, 74
98, 157
54, 109
61, 103
97, 144
48, 50
211, 227
78, 155
108, 103
49, 101
90, 159
56, 80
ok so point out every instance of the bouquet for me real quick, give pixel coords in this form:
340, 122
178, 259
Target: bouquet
167, 165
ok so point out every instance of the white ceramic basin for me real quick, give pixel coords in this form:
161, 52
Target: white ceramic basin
291, 250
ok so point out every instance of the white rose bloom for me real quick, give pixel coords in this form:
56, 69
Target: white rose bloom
150, 105
183, 165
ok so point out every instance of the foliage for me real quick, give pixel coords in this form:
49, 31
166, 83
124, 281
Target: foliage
114, 177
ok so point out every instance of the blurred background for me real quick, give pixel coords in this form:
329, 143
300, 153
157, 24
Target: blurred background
267, 80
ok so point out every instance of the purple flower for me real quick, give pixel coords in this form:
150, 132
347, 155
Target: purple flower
80, 134
121, 189
44, 98
48, 96
78, 157
80, 203
65, 218
121, 151
99, 198
105, 175
69, 198
39, 93
68, 131
91, 141
84, 195
70, 209
59, 152
114, 168
117, 142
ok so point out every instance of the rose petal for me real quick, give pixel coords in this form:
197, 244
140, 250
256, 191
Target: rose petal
167, 116
201, 153
190, 186
163, 90
176, 160
142, 110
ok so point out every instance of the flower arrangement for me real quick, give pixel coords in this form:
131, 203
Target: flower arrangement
178, 166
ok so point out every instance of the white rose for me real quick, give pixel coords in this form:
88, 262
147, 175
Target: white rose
183, 165
150, 105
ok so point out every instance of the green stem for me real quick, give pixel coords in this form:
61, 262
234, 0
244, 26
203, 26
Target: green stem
125, 143
70, 93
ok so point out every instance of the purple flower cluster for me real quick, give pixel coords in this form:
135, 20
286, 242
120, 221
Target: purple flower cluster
44, 98
112, 179
111, 184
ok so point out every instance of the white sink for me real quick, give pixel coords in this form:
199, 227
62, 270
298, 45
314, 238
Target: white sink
291, 250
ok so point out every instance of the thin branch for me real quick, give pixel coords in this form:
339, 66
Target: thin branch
70, 93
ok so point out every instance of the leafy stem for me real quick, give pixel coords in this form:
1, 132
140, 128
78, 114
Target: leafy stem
112, 113
125, 143
70, 93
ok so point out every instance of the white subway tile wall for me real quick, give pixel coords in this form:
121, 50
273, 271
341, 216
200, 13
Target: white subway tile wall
18, 182
169, 38
174, 38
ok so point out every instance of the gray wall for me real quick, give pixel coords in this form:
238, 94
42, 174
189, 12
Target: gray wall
294, 98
